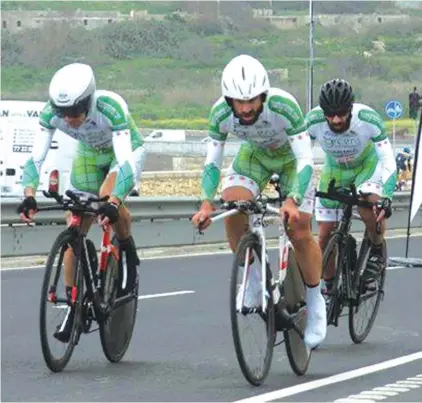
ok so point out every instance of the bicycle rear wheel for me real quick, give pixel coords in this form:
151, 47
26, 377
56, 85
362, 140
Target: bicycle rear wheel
294, 294
117, 328
254, 367
333, 254
53, 295
363, 311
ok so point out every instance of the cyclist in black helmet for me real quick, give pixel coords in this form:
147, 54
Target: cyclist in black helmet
357, 151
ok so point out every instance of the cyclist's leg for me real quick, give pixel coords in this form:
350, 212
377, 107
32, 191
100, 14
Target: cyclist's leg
328, 212
85, 180
245, 178
309, 258
122, 227
369, 180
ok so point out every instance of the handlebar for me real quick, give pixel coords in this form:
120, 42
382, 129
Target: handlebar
74, 202
251, 206
343, 195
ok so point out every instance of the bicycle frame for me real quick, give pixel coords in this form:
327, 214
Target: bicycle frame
259, 222
81, 252
343, 228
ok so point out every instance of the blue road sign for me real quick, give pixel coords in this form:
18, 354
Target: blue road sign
393, 109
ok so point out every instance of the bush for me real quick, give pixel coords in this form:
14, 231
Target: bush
196, 124
130, 39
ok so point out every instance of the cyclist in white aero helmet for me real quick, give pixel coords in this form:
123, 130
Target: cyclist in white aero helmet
272, 127
108, 161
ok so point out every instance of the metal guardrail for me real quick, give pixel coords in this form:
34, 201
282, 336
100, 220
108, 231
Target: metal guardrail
142, 208
195, 148
156, 222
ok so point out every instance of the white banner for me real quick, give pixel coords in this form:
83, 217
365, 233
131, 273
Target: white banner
416, 197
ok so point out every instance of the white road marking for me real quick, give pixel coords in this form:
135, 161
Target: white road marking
380, 393
147, 296
386, 391
165, 294
156, 258
365, 395
345, 376
373, 395
409, 384
209, 253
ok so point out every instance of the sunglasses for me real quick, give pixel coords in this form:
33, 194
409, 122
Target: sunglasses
68, 111
340, 113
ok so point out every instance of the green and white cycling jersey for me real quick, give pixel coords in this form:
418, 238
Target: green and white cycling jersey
361, 155
108, 134
278, 135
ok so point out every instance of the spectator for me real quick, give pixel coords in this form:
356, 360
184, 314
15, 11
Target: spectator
414, 99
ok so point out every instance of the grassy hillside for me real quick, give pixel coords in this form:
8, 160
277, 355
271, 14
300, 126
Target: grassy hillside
169, 71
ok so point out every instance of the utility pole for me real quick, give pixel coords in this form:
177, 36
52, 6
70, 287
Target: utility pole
309, 100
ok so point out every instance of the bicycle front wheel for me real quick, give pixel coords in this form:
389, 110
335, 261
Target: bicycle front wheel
53, 297
117, 328
364, 309
294, 293
247, 314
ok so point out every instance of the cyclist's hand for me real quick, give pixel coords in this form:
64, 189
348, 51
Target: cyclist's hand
108, 213
289, 212
382, 209
201, 219
27, 209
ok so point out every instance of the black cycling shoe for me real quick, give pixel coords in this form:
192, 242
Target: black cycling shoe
328, 287
376, 264
64, 330
128, 251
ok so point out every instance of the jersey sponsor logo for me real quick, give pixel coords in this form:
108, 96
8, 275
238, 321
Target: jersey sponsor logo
371, 117
343, 147
340, 141
255, 133
290, 111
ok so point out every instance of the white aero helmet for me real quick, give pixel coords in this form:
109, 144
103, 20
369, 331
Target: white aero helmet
71, 89
244, 78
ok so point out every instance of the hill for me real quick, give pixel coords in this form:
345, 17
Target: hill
169, 70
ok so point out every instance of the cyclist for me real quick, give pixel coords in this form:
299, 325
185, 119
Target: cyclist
108, 161
357, 151
271, 125
404, 167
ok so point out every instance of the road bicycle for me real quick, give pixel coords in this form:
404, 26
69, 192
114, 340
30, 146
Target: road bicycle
281, 306
98, 294
351, 286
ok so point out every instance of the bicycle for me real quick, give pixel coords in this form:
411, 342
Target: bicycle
97, 294
350, 285
282, 303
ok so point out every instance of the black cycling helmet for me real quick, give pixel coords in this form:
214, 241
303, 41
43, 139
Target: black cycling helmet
336, 96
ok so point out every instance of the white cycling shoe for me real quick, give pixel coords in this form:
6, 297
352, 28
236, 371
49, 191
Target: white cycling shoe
316, 323
253, 292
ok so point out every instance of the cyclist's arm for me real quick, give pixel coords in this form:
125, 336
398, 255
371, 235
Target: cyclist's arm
300, 143
212, 168
125, 179
115, 110
385, 153
42, 143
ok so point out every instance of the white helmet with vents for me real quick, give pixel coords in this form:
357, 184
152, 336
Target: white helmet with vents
244, 78
72, 84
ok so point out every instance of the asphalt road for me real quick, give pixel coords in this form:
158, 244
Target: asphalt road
182, 348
